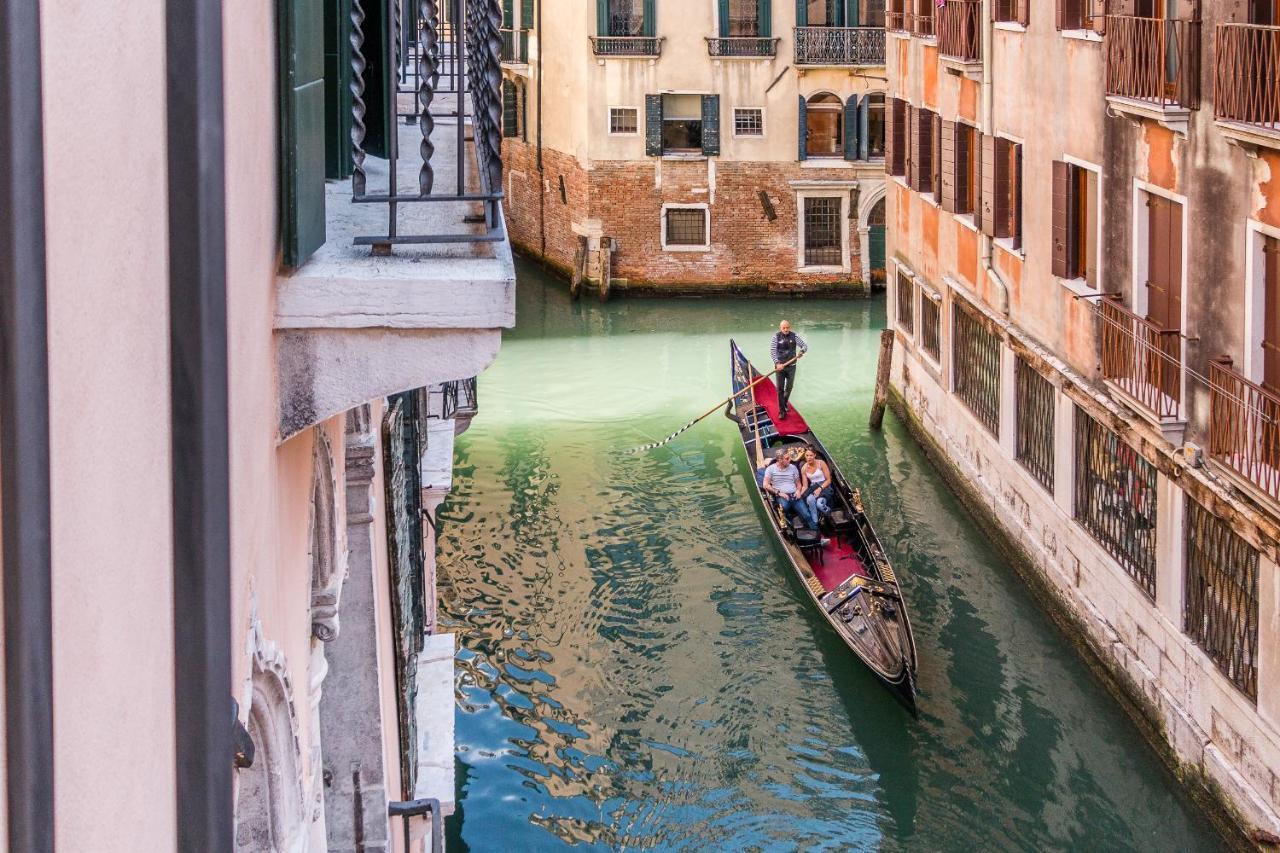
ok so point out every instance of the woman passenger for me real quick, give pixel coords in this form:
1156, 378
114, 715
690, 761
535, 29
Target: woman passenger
817, 477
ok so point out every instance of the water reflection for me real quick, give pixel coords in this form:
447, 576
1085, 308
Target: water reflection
637, 669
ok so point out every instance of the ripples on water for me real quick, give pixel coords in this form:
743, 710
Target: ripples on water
637, 669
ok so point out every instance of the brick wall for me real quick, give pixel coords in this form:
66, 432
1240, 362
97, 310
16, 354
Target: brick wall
623, 200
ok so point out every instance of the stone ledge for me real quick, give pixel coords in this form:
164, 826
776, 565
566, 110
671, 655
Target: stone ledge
434, 713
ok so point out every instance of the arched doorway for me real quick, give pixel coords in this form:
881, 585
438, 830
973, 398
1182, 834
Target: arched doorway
875, 240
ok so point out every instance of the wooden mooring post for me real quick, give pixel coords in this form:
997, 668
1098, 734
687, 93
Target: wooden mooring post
882, 378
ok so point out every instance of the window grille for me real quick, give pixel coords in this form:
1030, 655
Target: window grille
748, 121
624, 120
1035, 422
1115, 499
906, 303
686, 226
822, 232
1222, 597
930, 336
975, 363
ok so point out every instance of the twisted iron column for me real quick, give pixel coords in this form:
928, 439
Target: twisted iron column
488, 65
358, 66
428, 75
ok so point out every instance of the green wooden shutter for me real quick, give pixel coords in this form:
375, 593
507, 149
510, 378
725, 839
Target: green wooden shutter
802, 13
508, 14
602, 17
653, 125
864, 128
765, 11
379, 82
723, 12
526, 14
835, 13
802, 115
337, 90
710, 125
650, 27
510, 110
302, 128
852, 16
851, 128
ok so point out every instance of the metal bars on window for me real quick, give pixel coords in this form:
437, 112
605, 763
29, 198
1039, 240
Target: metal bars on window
1221, 612
822, 232
930, 326
1035, 422
1115, 499
975, 363
686, 226
906, 299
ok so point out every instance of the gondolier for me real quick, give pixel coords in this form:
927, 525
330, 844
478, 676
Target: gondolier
784, 347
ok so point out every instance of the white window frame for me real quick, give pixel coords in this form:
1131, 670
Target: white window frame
763, 129
1255, 305
608, 128
706, 218
1079, 285
842, 194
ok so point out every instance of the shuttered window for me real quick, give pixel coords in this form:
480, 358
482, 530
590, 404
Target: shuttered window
1271, 333
1164, 262
947, 158
526, 14
1012, 11
1074, 205
1002, 189
873, 145
966, 168
302, 128
745, 18
924, 174
895, 137
625, 17
852, 128
653, 125
510, 110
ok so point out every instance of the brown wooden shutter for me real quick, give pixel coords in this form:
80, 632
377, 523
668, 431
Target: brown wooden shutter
947, 164
924, 151
964, 188
1024, 12
1062, 208
1271, 313
913, 148
988, 202
1069, 14
896, 137
937, 156
1015, 194
1098, 15
1001, 185
1164, 263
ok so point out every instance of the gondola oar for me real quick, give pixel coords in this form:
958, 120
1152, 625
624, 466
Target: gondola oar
711, 411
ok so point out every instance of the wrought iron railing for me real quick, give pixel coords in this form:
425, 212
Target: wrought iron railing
742, 46
1221, 612
515, 46
459, 399
1141, 358
930, 326
959, 33
1035, 422
1246, 79
923, 21
906, 303
418, 819
897, 20
626, 45
975, 365
839, 45
1115, 499
1244, 427
464, 61
1156, 60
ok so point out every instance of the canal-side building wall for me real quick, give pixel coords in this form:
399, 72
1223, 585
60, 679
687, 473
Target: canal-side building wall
1081, 285
587, 159
322, 341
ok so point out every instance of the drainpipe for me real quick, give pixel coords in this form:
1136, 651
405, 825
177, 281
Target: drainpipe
989, 127
542, 184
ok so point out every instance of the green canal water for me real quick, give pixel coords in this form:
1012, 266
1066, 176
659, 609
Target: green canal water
638, 670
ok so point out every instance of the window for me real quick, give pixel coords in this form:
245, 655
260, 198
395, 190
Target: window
975, 364
959, 167
930, 333
685, 227
906, 303
1115, 499
1089, 14
896, 138
821, 13
1221, 611
681, 123
896, 14
1035, 422
744, 19
624, 17
1012, 11
624, 121
748, 121
925, 138
1075, 226
922, 22
823, 237
1001, 213
513, 101
874, 105
824, 126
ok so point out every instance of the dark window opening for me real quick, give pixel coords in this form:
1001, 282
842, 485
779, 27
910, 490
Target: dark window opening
875, 125
822, 238
681, 123
824, 126
626, 18
975, 365
744, 19
906, 303
1035, 422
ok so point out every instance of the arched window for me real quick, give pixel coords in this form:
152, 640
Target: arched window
269, 810
824, 126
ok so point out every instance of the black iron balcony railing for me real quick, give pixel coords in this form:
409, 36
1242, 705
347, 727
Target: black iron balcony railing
1156, 60
459, 399
1246, 80
742, 46
515, 46
417, 819
839, 45
627, 45
462, 60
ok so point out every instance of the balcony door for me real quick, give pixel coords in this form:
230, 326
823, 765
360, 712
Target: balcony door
1264, 13
833, 13
1164, 293
742, 19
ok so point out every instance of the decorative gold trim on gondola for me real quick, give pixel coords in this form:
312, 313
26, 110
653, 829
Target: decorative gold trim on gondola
815, 585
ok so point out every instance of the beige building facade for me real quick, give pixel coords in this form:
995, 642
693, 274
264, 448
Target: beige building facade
235, 355
664, 146
1083, 279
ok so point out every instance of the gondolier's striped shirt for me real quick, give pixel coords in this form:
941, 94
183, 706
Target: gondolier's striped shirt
801, 346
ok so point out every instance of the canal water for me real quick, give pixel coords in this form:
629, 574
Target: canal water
638, 670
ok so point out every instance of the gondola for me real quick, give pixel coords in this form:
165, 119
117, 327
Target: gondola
843, 567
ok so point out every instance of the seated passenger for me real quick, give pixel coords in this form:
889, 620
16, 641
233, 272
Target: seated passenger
817, 478
784, 480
